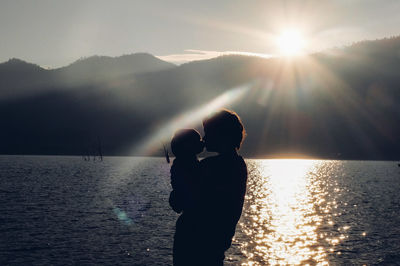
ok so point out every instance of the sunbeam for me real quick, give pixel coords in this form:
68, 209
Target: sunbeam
189, 118
153, 143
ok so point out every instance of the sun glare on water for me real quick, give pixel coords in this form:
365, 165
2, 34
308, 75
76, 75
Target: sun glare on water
289, 214
290, 43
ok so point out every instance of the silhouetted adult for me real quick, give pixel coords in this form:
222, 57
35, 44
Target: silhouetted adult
205, 230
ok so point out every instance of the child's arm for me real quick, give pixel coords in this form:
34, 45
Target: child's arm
175, 197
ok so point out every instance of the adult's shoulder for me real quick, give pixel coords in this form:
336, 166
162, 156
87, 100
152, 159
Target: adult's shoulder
241, 160
210, 165
209, 160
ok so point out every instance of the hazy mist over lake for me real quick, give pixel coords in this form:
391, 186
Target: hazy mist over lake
340, 104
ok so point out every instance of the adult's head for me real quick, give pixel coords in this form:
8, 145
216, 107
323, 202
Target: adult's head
186, 142
224, 131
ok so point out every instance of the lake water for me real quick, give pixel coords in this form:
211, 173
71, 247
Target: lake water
64, 211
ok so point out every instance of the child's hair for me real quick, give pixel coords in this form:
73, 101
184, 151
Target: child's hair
186, 142
228, 127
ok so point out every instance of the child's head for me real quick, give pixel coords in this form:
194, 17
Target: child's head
186, 142
224, 131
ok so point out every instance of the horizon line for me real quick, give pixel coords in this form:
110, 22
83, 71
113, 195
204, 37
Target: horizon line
192, 55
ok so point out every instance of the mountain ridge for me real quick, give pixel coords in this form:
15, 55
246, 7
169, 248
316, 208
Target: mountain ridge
18, 77
337, 105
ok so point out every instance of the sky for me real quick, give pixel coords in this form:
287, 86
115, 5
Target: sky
54, 33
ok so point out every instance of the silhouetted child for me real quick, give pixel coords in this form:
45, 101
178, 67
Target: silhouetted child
185, 145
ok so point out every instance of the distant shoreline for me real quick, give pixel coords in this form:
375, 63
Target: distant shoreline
160, 156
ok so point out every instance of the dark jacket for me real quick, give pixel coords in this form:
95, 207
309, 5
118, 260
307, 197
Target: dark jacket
205, 229
224, 179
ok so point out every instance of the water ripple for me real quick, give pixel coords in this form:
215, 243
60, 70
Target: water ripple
66, 211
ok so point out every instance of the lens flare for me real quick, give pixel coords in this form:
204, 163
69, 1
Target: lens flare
188, 119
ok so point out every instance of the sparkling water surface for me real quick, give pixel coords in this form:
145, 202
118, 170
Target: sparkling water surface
67, 211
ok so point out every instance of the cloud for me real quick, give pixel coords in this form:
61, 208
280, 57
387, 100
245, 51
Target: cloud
195, 55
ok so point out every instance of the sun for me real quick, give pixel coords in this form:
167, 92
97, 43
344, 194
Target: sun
290, 43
